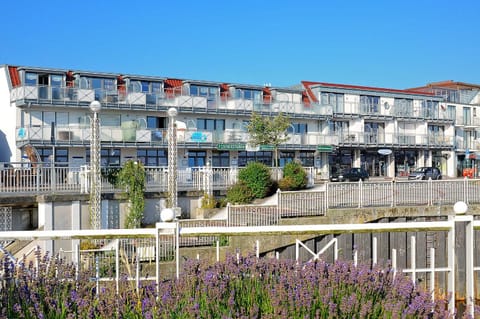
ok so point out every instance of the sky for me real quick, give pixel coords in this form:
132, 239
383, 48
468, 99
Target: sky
391, 44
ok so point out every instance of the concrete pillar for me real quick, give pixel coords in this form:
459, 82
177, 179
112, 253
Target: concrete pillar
421, 159
429, 160
391, 165
76, 217
45, 221
356, 158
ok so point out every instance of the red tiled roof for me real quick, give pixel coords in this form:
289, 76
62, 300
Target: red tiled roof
173, 83
14, 76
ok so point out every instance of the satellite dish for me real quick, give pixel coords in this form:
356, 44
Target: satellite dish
384, 151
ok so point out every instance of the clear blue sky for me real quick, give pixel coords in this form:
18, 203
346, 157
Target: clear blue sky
392, 44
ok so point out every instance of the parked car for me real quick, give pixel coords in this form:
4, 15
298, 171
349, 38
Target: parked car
424, 173
353, 174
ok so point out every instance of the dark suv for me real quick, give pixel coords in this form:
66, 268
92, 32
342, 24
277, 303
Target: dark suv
353, 174
423, 173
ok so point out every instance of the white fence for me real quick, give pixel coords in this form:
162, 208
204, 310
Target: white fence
145, 245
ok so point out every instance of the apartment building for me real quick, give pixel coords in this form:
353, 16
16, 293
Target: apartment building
389, 132
461, 102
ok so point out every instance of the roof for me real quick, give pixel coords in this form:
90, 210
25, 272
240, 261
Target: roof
362, 88
448, 84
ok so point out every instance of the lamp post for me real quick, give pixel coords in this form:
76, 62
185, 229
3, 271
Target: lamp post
170, 211
95, 175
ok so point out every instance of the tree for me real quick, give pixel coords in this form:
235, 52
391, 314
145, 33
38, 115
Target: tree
264, 130
132, 179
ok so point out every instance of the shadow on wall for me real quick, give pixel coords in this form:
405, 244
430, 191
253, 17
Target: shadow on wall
5, 152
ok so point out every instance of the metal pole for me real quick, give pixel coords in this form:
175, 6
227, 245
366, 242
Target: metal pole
95, 180
172, 159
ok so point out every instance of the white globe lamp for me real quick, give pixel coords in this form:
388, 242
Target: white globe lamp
167, 215
460, 208
95, 106
172, 112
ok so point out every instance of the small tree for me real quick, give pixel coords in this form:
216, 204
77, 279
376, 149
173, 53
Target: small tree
132, 179
264, 130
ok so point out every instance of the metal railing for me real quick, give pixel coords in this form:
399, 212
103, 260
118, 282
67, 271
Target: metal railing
133, 251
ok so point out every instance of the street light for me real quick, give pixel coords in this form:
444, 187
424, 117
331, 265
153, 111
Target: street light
95, 175
172, 202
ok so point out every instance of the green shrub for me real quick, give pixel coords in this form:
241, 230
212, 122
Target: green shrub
208, 202
240, 194
287, 184
257, 177
295, 175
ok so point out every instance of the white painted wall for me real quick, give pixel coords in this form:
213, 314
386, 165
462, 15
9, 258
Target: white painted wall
8, 149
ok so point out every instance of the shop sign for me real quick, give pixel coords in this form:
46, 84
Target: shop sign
266, 148
325, 148
231, 147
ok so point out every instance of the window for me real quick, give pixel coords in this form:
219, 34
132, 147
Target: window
196, 158
220, 159
156, 122
207, 91
31, 79
153, 157
297, 128
210, 124
248, 94
245, 157
61, 156
333, 99
286, 157
307, 159
108, 157
369, 104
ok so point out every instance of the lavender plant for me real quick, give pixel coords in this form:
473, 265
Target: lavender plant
247, 287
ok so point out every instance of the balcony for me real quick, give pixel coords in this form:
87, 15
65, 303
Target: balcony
70, 96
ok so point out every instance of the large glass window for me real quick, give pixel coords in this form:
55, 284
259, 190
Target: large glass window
245, 157
197, 158
31, 79
307, 158
297, 128
286, 157
210, 124
153, 157
333, 99
369, 104
248, 94
220, 159
156, 122
108, 157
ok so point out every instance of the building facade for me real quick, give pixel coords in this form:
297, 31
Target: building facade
386, 131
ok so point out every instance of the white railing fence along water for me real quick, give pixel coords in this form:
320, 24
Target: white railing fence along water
144, 254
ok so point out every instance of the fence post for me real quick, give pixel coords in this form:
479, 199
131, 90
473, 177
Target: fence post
97, 275
430, 192
469, 264
451, 264
374, 251
432, 272
360, 193
228, 214
465, 188
279, 199
327, 204
393, 192
177, 248
54, 176
117, 264
413, 260
394, 262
